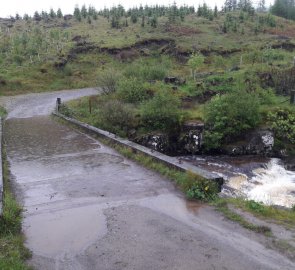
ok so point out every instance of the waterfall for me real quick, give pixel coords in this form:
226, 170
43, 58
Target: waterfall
272, 185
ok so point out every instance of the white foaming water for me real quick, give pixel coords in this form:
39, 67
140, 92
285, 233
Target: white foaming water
273, 185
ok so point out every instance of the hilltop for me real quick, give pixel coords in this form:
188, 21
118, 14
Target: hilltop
57, 53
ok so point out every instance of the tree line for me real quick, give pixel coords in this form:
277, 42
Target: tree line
284, 8
117, 15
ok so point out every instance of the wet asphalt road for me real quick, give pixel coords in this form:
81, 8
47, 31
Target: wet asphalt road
87, 207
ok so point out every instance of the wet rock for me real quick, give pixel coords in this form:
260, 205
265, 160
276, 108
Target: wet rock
77, 38
43, 70
258, 142
158, 142
68, 17
145, 52
127, 55
174, 80
235, 68
190, 141
193, 125
266, 80
60, 63
2, 82
290, 163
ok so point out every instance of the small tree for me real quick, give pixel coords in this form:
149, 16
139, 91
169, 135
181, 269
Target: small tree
37, 16
230, 115
215, 11
84, 12
59, 13
77, 14
107, 81
154, 22
161, 112
26, 17
134, 17
117, 117
52, 14
195, 62
131, 90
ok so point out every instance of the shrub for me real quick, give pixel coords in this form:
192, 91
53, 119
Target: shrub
131, 90
116, 117
149, 70
255, 206
283, 124
270, 55
204, 190
161, 112
65, 110
228, 116
196, 62
146, 72
107, 80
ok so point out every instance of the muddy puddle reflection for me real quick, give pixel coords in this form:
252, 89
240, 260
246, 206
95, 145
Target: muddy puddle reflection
174, 206
67, 231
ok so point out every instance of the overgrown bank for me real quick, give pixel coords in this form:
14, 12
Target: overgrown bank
13, 253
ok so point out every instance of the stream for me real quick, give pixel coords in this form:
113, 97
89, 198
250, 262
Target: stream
255, 178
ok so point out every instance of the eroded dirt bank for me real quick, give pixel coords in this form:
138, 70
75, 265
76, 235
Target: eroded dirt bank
87, 207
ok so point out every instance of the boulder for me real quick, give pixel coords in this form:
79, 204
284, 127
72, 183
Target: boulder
258, 142
68, 17
174, 80
190, 141
158, 142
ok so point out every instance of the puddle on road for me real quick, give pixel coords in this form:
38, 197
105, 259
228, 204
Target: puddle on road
39, 137
173, 206
42, 194
193, 206
64, 232
54, 167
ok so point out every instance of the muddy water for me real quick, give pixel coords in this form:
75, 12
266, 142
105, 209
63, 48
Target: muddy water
87, 207
255, 178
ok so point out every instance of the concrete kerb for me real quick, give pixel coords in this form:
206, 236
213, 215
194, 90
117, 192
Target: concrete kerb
1, 171
167, 160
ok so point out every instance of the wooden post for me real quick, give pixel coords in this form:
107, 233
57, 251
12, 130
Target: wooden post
90, 106
58, 103
292, 97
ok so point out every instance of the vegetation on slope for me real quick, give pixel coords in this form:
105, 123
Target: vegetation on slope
13, 253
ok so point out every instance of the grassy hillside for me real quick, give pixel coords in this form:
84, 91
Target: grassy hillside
32, 53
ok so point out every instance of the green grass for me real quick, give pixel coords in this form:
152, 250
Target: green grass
3, 112
13, 253
284, 217
222, 206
